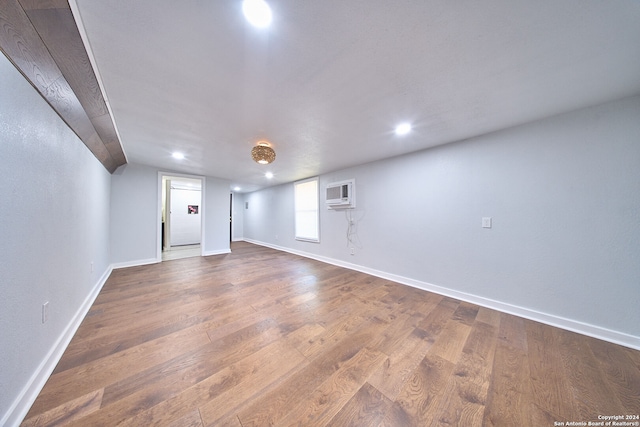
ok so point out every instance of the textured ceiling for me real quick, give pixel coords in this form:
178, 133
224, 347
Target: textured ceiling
329, 80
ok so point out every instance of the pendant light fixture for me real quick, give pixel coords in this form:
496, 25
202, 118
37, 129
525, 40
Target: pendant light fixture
263, 153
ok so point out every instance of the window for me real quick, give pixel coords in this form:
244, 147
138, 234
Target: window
306, 205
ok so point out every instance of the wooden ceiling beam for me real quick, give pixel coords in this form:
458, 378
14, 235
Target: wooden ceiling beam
42, 40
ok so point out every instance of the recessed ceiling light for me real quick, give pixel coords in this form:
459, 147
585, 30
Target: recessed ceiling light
178, 156
403, 128
269, 175
257, 12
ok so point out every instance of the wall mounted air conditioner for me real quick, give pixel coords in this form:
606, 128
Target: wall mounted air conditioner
341, 195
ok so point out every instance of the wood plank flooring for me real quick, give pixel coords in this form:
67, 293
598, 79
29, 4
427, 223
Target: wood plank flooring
260, 337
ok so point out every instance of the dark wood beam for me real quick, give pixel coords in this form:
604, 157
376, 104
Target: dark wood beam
42, 40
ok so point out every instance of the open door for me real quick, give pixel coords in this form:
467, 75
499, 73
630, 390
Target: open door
181, 211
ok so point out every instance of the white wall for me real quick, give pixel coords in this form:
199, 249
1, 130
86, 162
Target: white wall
564, 195
216, 216
134, 215
54, 223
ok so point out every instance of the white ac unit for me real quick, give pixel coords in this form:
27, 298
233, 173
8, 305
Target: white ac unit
341, 195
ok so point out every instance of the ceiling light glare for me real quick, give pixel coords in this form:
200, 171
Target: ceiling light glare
178, 156
236, 188
403, 129
257, 12
269, 175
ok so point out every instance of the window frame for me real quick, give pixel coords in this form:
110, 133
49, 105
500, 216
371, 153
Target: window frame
296, 210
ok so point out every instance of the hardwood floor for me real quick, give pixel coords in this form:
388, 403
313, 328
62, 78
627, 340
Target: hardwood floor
260, 337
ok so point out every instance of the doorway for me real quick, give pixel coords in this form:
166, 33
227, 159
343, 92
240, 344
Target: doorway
181, 210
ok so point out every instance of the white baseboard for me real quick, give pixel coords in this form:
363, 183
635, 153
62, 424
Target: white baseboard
594, 331
136, 263
29, 393
147, 261
218, 252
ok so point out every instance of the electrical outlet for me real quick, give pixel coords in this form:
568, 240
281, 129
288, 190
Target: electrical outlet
45, 312
486, 222
353, 251
92, 266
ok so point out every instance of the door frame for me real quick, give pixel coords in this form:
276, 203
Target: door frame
168, 175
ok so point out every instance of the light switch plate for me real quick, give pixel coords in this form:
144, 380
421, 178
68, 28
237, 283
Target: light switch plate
45, 312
